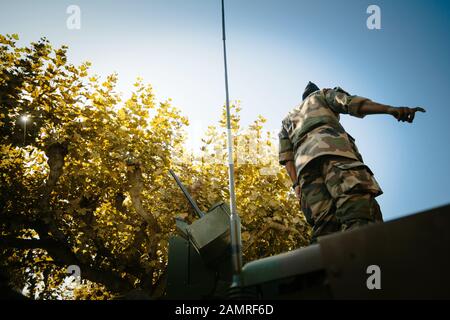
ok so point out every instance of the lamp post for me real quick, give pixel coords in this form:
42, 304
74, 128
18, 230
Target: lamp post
24, 120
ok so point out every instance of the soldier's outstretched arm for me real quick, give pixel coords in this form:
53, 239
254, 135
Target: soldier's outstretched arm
400, 113
342, 102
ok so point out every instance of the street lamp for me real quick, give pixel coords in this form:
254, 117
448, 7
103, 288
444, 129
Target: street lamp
24, 119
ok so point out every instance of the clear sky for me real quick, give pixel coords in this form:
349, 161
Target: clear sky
274, 48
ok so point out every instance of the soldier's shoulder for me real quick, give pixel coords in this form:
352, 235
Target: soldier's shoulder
294, 110
334, 90
325, 90
339, 89
288, 119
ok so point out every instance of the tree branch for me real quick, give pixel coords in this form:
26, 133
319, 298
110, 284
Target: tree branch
134, 175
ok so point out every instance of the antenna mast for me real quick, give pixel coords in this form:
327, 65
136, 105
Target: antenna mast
235, 221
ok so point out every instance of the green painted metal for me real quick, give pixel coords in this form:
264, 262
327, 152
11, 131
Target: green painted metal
283, 265
181, 226
188, 275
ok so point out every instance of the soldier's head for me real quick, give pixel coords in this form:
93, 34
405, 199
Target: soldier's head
310, 88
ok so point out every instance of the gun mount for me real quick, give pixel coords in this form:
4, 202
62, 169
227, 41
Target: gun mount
210, 234
199, 256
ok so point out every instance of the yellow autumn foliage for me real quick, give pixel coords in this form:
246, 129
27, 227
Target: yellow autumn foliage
87, 183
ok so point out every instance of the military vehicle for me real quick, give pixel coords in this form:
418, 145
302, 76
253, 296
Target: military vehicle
411, 254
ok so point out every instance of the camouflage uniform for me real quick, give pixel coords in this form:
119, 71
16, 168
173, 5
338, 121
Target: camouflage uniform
337, 189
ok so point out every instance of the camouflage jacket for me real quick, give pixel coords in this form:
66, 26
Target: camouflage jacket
312, 129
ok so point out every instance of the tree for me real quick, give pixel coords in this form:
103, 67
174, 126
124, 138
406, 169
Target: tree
85, 181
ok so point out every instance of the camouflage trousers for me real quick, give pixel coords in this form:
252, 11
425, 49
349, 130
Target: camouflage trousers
338, 194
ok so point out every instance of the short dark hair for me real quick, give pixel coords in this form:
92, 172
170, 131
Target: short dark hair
310, 88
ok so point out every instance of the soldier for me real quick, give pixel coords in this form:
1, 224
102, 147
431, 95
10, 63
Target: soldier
336, 189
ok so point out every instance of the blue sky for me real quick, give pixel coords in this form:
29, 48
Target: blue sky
274, 48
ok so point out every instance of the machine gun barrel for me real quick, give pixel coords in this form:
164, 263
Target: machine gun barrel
192, 202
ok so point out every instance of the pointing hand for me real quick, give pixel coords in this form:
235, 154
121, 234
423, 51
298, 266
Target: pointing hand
405, 113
